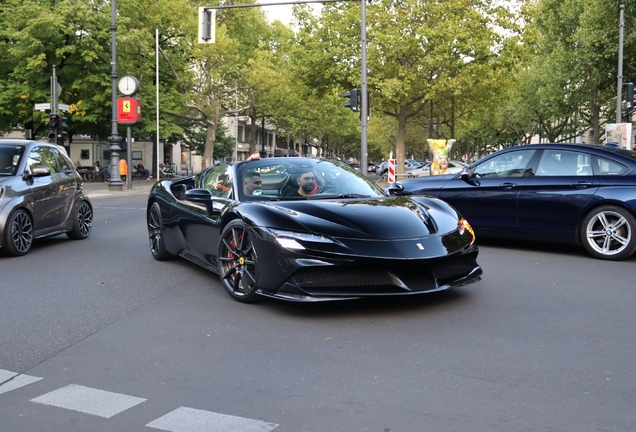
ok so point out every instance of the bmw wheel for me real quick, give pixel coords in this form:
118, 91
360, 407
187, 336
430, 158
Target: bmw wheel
155, 228
609, 232
18, 233
238, 263
83, 222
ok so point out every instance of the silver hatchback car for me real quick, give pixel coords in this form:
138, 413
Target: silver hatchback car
41, 195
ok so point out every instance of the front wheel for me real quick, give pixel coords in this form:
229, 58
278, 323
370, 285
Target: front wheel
609, 233
155, 234
82, 223
238, 263
18, 233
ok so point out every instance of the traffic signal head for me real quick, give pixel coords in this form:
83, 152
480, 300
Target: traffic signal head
63, 128
54, 122
352, 103
630, 95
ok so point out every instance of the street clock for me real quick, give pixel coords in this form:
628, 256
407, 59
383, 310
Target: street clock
128, 85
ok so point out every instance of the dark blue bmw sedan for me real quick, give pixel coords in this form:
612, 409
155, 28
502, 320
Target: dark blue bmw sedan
569, 193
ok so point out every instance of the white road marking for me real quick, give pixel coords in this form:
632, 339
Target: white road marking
186, 419
88, 400
11, 380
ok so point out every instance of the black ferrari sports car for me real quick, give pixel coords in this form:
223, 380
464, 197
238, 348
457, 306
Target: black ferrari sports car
41, 195
304, 229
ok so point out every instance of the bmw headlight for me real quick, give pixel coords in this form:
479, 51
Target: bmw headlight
291, 239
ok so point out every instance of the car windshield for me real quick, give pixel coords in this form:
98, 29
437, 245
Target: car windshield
301, 178
10, 156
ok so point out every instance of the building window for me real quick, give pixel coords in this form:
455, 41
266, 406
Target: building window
85, 154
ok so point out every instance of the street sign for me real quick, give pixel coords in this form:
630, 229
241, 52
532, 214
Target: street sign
63, 107
43, 106
128, 110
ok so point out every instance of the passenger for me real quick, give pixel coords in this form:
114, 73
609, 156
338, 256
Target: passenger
252, 184
306, 185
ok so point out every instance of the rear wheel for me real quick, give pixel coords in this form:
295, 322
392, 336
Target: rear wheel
238, 263
18, 233
83, 222
609, 232
155, 233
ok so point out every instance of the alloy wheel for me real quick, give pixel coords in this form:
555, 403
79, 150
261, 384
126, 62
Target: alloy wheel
237, 262
608, 233
21, 232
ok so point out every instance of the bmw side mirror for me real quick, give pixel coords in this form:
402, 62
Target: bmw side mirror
395, 189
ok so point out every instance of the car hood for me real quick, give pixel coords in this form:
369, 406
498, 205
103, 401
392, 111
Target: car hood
386, 218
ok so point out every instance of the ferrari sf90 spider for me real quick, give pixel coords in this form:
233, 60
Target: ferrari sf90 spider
308, 230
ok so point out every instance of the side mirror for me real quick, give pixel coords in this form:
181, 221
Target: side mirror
395, 189
200, 196
40, 171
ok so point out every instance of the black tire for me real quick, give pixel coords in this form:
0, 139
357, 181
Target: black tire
90, 176
609, 233
18, 233
238, 263
82, 222
155, 234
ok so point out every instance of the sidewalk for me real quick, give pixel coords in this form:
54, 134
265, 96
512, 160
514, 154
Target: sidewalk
139, 187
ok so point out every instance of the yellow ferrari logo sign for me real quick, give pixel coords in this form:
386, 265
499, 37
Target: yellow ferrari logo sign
126, 106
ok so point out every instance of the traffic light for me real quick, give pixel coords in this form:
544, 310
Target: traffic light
62, 131
54, 124
630, 95
352, 103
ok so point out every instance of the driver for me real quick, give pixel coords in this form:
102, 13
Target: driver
306, 185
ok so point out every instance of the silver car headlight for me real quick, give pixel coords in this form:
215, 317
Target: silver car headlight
291, 239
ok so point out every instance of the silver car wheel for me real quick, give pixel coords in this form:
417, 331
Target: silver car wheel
609, 233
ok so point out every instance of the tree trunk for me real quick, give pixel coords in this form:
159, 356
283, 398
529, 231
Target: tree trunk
400, 143
210, 137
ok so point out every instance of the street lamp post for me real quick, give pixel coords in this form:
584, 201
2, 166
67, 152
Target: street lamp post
115, 183
619, 85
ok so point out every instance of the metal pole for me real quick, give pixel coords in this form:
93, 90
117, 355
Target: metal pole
114, 139
157, 96
619, 85
54, 92
235, 158
364, 108
129, 157
263, 152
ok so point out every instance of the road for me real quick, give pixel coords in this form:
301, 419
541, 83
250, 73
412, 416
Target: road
97, 336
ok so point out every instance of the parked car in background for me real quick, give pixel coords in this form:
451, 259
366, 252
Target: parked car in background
41, 195
570, 193
370, 167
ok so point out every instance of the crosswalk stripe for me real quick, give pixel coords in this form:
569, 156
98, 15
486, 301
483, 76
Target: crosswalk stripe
88, 400
186, 419
11, 380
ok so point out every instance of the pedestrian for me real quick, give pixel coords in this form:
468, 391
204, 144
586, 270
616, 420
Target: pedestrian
143, 171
